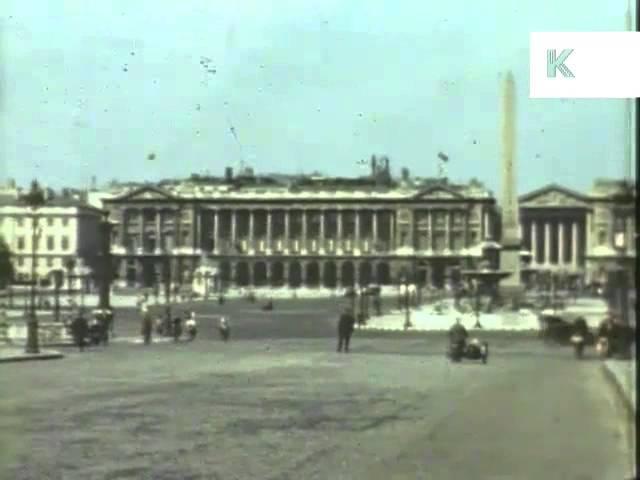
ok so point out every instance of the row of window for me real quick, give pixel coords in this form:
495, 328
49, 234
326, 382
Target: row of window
49, 220
49, 262
64, 243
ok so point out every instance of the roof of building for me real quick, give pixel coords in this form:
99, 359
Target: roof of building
608, 187
60, 202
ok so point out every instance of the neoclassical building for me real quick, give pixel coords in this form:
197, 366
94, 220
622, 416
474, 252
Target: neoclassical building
310, 231
583, 234
333, 232
65, 236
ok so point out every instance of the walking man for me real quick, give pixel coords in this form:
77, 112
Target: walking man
80, 330
147, 324
345, 329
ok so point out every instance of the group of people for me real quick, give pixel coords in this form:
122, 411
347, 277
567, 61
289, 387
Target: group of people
96, 330
173, 326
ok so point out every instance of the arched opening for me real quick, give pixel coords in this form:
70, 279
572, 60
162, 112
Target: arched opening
260, 274
242, 274
225, 272
329, 277
365, 274
295, 274
148, 274
277, 274
383, 274
313, 274
348, 274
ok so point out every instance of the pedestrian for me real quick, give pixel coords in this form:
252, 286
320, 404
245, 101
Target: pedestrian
345, 329
147, 324
105, 319
224, 329
377, 304
177, 328
80, 330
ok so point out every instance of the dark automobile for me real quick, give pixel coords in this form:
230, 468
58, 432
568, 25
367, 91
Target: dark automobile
554, 329
557, 330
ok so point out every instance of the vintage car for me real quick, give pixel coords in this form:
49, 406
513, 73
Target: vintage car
555, 329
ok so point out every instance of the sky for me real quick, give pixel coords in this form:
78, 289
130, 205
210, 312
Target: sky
119, 89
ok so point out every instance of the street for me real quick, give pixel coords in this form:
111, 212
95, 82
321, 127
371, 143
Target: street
278, 402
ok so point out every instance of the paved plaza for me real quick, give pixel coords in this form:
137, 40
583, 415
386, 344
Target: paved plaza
278, 402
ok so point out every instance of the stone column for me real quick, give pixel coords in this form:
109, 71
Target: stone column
547, 243
587, 231
250, 240
486, 226
287, 231
176, 228
234, 227
158, 231
141, 246
122, 272
534, 242
448, 230
392, 241
197, 230
269, 231
303, 240
356, 235
430, 222
374, 229
124, 226
574, 244
322, 239
216, 232
466, 242
560, 242
338, 231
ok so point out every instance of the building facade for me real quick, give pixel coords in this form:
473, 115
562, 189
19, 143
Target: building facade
66, 235
566, 231
314, 232
332, 232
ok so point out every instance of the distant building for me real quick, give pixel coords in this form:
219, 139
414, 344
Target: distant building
67, 230
312, 231
577, 233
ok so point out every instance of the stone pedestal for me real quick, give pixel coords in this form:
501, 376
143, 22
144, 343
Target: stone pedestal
511, 288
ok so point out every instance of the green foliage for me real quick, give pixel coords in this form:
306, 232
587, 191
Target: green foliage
6, 267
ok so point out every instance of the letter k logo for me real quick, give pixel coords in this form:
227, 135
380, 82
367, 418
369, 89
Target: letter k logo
555, 63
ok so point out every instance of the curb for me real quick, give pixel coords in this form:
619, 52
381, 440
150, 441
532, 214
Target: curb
50, 355
140, 341
428, 330
619, 389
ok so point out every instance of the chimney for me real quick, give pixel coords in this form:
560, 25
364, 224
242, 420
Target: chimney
374, 166
94, 183
228, 174
405, 174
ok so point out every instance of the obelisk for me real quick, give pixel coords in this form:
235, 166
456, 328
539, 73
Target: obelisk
628, 116
511, 286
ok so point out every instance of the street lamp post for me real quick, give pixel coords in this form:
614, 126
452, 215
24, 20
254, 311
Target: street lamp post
621, 279
407, 311
106, 267
34, 199
57, 279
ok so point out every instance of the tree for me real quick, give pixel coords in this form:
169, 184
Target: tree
6, 267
